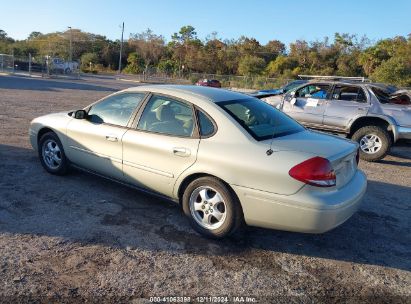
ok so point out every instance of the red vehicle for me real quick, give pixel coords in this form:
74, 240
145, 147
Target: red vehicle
209, 83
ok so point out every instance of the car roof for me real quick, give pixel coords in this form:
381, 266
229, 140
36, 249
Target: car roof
336, 82
205, 93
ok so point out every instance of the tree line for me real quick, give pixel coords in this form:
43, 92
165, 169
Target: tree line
387, 60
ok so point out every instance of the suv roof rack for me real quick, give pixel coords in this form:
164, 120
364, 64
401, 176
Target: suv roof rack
336, 78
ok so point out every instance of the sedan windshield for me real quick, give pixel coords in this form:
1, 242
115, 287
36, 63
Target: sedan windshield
292, 85
260, 119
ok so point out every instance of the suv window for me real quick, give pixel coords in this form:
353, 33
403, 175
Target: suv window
115, 109
167, 116
206, 125
349, 93
384, 96
260, 119
318, 91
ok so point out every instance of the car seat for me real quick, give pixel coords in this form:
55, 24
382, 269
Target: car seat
167, 122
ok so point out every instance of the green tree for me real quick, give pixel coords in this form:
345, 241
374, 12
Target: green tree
396, 70
167, 66
4, 37
277, 67
251, 65
34, 35
135, 63
150, 46
186, 34
273, 49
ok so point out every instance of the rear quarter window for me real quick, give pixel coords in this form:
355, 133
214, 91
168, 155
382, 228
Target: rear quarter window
206, 125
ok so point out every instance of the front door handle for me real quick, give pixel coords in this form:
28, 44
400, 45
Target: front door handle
111, 138
179, 151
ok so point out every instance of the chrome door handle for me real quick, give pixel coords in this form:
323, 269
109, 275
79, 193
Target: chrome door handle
181, 151
111, 138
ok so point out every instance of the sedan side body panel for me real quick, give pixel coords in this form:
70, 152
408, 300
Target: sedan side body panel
95, 146
155, 161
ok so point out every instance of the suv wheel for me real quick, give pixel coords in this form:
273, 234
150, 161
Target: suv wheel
213, 210
374, 141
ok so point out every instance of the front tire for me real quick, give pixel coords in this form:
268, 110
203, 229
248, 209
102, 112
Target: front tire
374, 141
212, 208
52, 155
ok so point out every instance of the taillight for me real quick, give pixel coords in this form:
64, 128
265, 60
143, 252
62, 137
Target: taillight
316, 171
357, 156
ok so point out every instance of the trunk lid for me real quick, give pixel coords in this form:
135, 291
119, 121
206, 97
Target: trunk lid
339, 151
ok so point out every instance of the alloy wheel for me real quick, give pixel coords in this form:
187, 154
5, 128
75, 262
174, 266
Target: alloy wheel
370, 143
207, 207
51, 153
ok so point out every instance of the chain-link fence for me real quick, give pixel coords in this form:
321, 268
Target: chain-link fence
6, 63
229, 81
242, 82
46, 66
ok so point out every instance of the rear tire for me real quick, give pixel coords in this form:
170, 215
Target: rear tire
374, 141
51, 153
212, 208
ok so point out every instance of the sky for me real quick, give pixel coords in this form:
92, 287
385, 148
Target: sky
264, 20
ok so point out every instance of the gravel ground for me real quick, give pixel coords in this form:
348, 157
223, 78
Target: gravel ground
83, 238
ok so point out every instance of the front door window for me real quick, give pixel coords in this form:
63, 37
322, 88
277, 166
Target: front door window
116, 109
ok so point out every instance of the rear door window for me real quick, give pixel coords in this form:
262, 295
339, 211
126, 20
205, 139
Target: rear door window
167, 116
349, 93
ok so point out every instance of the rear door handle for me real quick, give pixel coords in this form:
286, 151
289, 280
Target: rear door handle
179, 151
111, 138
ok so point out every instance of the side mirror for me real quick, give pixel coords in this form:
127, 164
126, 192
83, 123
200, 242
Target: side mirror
80, 114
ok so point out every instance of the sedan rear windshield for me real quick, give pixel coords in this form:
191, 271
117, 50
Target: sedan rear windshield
260, 119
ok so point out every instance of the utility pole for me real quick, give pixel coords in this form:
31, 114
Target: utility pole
71, 44
121, 49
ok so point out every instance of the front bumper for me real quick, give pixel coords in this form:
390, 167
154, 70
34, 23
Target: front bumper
404, 132
33, 138
309, 210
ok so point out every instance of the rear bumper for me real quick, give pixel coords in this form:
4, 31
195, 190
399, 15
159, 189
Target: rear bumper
404, 132
306, 211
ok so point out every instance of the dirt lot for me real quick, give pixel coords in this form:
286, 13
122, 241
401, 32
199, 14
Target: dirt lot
81, 237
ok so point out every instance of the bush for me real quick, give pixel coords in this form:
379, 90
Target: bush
135, 64
87, 60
